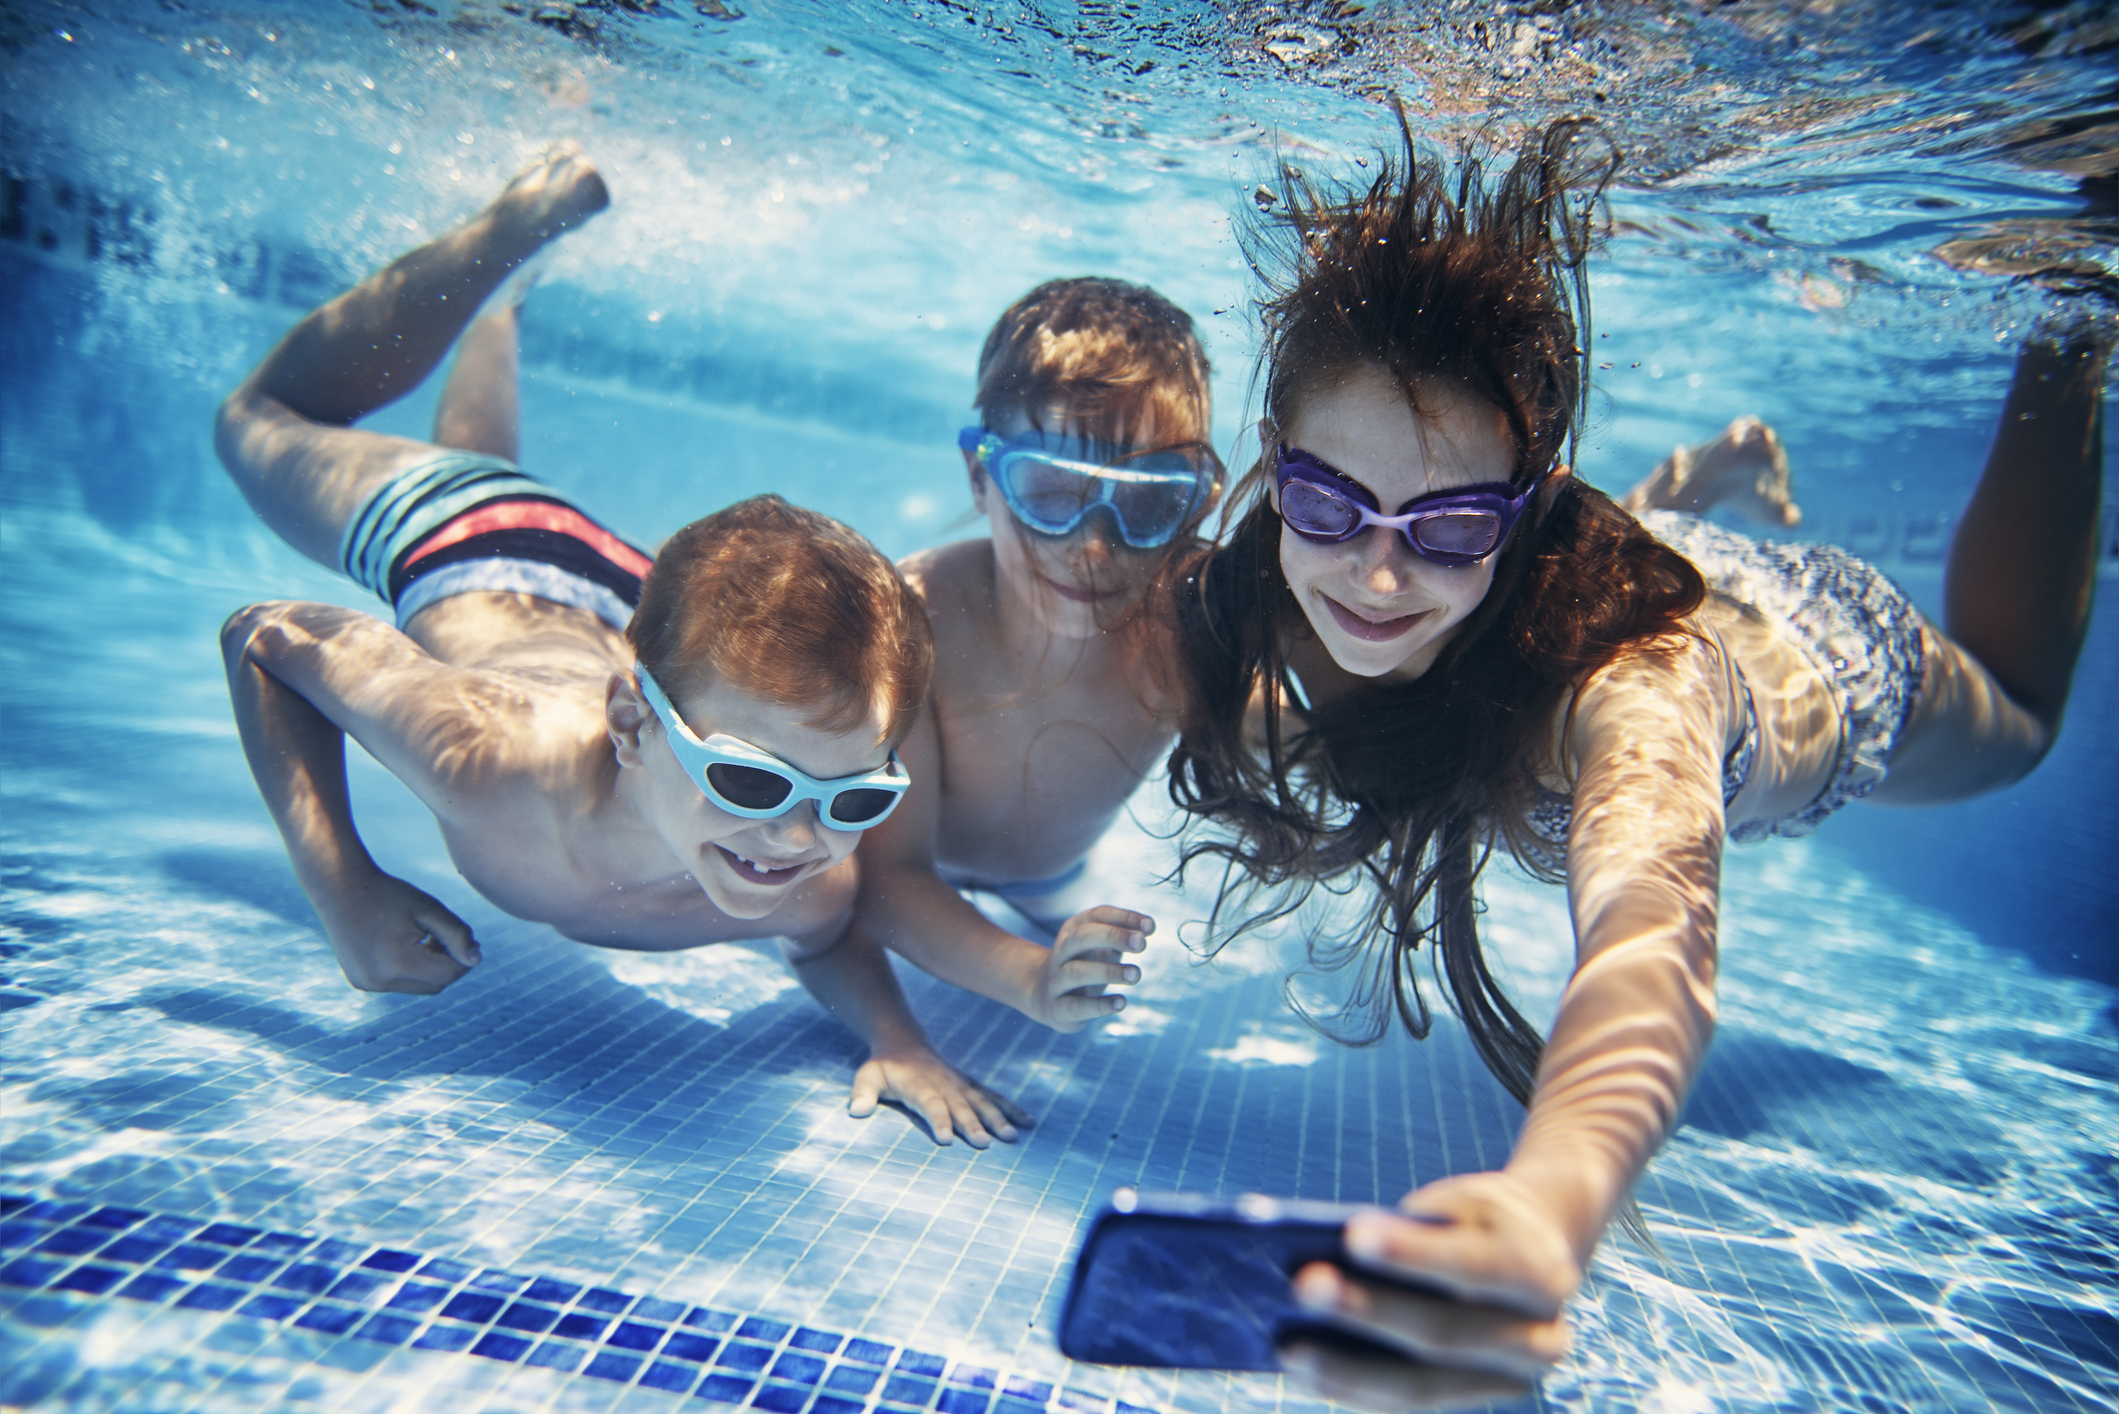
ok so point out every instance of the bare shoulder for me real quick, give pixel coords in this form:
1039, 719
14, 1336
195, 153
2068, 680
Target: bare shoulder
954, 578
448, 732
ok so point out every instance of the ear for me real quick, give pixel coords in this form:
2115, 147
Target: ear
627, 717
1554, 481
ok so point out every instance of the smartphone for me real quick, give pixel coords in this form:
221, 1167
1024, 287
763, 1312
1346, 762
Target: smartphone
1186, 1281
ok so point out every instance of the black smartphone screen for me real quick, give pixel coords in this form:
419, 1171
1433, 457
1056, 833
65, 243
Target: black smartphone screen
1189, 1282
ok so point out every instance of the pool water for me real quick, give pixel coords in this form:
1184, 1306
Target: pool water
590, 1180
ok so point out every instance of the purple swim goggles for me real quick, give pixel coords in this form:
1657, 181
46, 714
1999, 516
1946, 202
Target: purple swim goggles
1459, 526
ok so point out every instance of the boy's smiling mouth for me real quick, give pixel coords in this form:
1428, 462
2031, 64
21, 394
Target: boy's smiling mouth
1367, 629
1078, 596
754, 873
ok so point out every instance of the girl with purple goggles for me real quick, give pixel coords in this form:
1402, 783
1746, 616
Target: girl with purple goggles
1458, 526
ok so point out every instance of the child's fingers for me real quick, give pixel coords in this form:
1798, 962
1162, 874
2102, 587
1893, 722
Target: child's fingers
1104, 927
1075, 1009
451, 932
981, 1100
1017, 1115
1438, 1330
1083, 972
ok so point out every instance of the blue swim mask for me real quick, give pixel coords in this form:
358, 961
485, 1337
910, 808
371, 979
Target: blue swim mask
1053, 482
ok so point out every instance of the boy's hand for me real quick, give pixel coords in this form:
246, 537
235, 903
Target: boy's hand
391, 937
948, 1100
1086, 959
1484, 1238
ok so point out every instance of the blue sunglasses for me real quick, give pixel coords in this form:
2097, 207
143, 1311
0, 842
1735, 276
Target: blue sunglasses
1052, 482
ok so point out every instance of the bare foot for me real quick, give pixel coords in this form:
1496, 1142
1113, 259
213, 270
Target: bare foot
1745, 468
553, 197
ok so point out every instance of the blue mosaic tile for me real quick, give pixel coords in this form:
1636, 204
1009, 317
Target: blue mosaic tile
207, 1296
610, 1303
444, 1338
801, 1369
56, 1212
191, 1257
557, 1355
671, 1376
306, 1276
336, 1252
499, 1345
524, 1316
135, 1249
390, 1261
334, 1320
267, 1307
686, 1346
904, 1389
852, 1379
554, 1293
1125, 1408
151, 1286
759, 1328
469, 1298
610, 1365
93, 1280
388, 1329
229, 1234
473, 1306
728, 1389
246, 1268
442, 1269
73, 1241
284, 1244
580, 1327
631, 1335
738, 1356
781, 1399
358, 1286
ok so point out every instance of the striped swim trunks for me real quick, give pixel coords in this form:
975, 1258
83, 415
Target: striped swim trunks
461, 522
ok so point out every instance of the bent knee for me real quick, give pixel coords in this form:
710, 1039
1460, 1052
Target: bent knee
241, 628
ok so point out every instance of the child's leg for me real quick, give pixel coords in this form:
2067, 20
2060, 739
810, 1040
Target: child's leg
481, 404
1745, 467
2016, 596
284, 435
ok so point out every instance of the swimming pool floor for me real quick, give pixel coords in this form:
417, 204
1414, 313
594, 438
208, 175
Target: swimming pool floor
1893, 1191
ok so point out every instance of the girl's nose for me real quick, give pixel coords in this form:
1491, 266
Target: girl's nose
796, 830
1381, 556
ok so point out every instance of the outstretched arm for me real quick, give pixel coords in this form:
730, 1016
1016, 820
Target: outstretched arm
387, 935
850, 976
1644, 866
905, 905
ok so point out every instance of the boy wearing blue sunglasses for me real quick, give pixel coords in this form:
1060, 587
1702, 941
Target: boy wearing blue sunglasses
650, 754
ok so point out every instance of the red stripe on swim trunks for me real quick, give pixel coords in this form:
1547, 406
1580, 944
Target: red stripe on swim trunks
535, 515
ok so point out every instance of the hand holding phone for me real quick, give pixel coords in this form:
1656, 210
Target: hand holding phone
1194, 1282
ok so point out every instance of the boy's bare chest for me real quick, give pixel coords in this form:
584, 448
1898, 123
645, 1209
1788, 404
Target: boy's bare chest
1032, 777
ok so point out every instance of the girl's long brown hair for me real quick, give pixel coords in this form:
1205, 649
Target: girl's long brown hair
1456, 282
